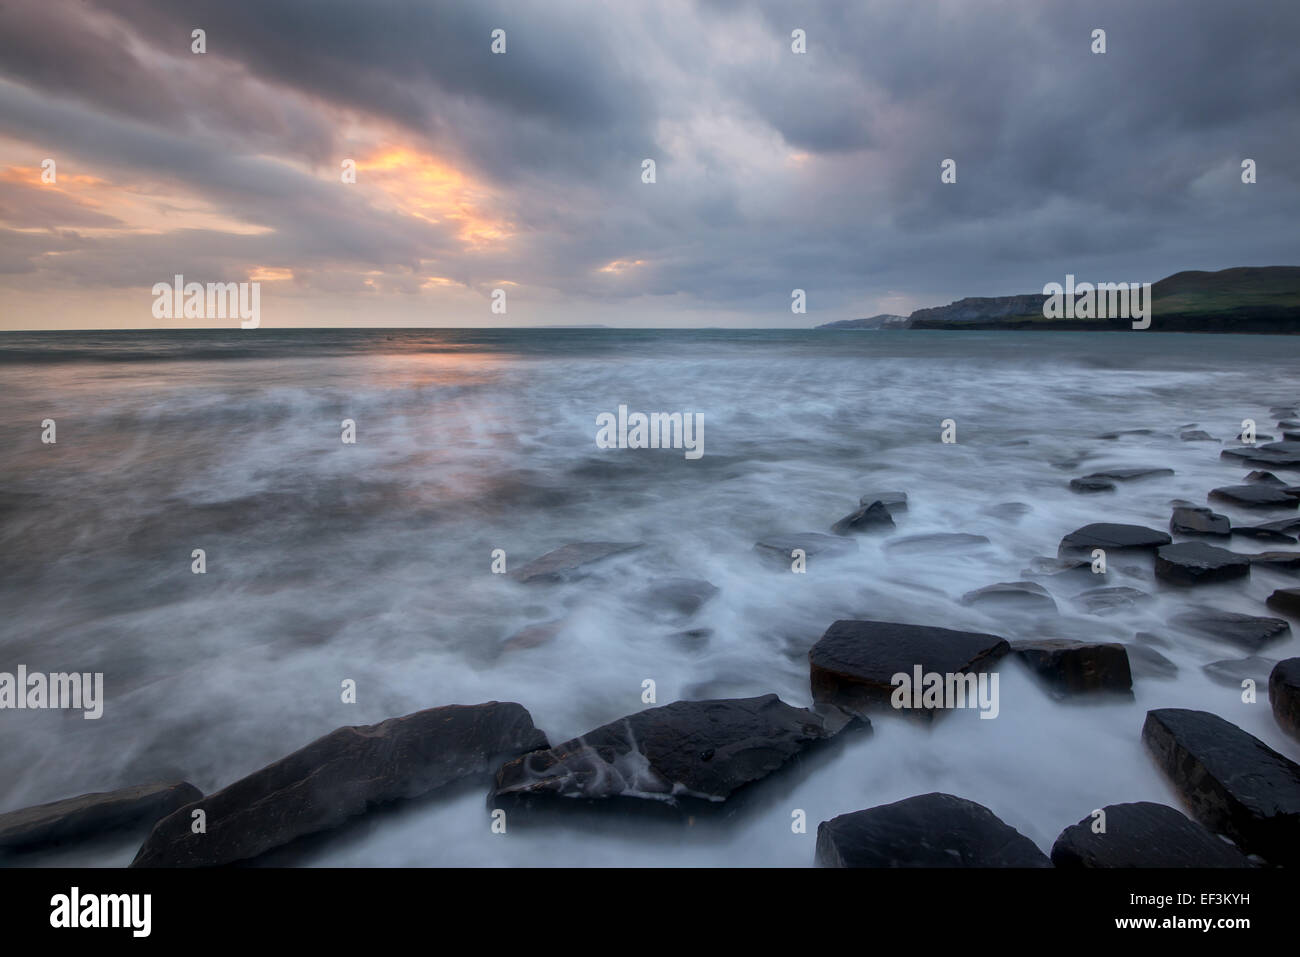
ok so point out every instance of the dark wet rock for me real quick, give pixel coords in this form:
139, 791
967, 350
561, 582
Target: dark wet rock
1196, 563
1146, 662
1270, 531
1199, 521
566, 562
1246, 631
1109, 599
1254, 496
929, 830
1029, 596
693, 750
853, 663
1143, 834
92, 815
1077, 667
1231, 672
1262, 478
1232, 782
936, 541
1086, 485
1197, 435
869, 518
1276, 455
1284, 695
341, 775
1285, 600
1277, 561
1111, 538
678, 598
777, 550
1289, 424
895, 501
1291, 436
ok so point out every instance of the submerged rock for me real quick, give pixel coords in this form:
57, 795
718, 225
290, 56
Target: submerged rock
929, 830
1196, 563
1146, 662
1258, 495
341, 775
700, 750
1233, 783
1076, 667
1199, 521
92, 815
1280, 531
1110, 537
1143, 834
1285, 600
1263, 478
1197, 435
562, 563
1275, 455
1109, 599
868, 518
1284, 695
677, 598
1231, 672
1090, 484
777, 550
852, 665
1030, 596
1129, 475
936, 541
1247, 631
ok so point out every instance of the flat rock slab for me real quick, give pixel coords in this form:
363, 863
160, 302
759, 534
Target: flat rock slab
937, 541
778, 550
1086, 484
1281, 531
1129, 475
1232, 782
853, 664
1277, 561
1144, 834
874, 517
1275, 455
1231, 672
1077, 667
1146, 662
1285, 600
700, 750
1196, 563
1259, 495
562, 563
341, 775
1029, 596
1108, 599
1197, 435
895, 501
1199, 521
1110, 537
1251, 632
92, 815
929, 830
1284, 695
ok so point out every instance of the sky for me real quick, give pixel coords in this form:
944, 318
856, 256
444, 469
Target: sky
522, 171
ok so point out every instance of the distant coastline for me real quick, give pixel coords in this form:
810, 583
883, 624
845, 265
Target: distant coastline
1246, 299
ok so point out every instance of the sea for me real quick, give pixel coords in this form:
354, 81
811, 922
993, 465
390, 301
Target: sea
374, 561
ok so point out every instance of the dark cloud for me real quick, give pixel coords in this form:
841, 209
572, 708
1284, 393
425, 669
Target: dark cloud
775, 170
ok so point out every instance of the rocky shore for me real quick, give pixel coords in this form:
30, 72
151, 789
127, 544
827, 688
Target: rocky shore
1240, 798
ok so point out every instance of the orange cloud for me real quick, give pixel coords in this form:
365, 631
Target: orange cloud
421, 185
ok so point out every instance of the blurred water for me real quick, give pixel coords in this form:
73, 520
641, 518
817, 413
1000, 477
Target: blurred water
372, 561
